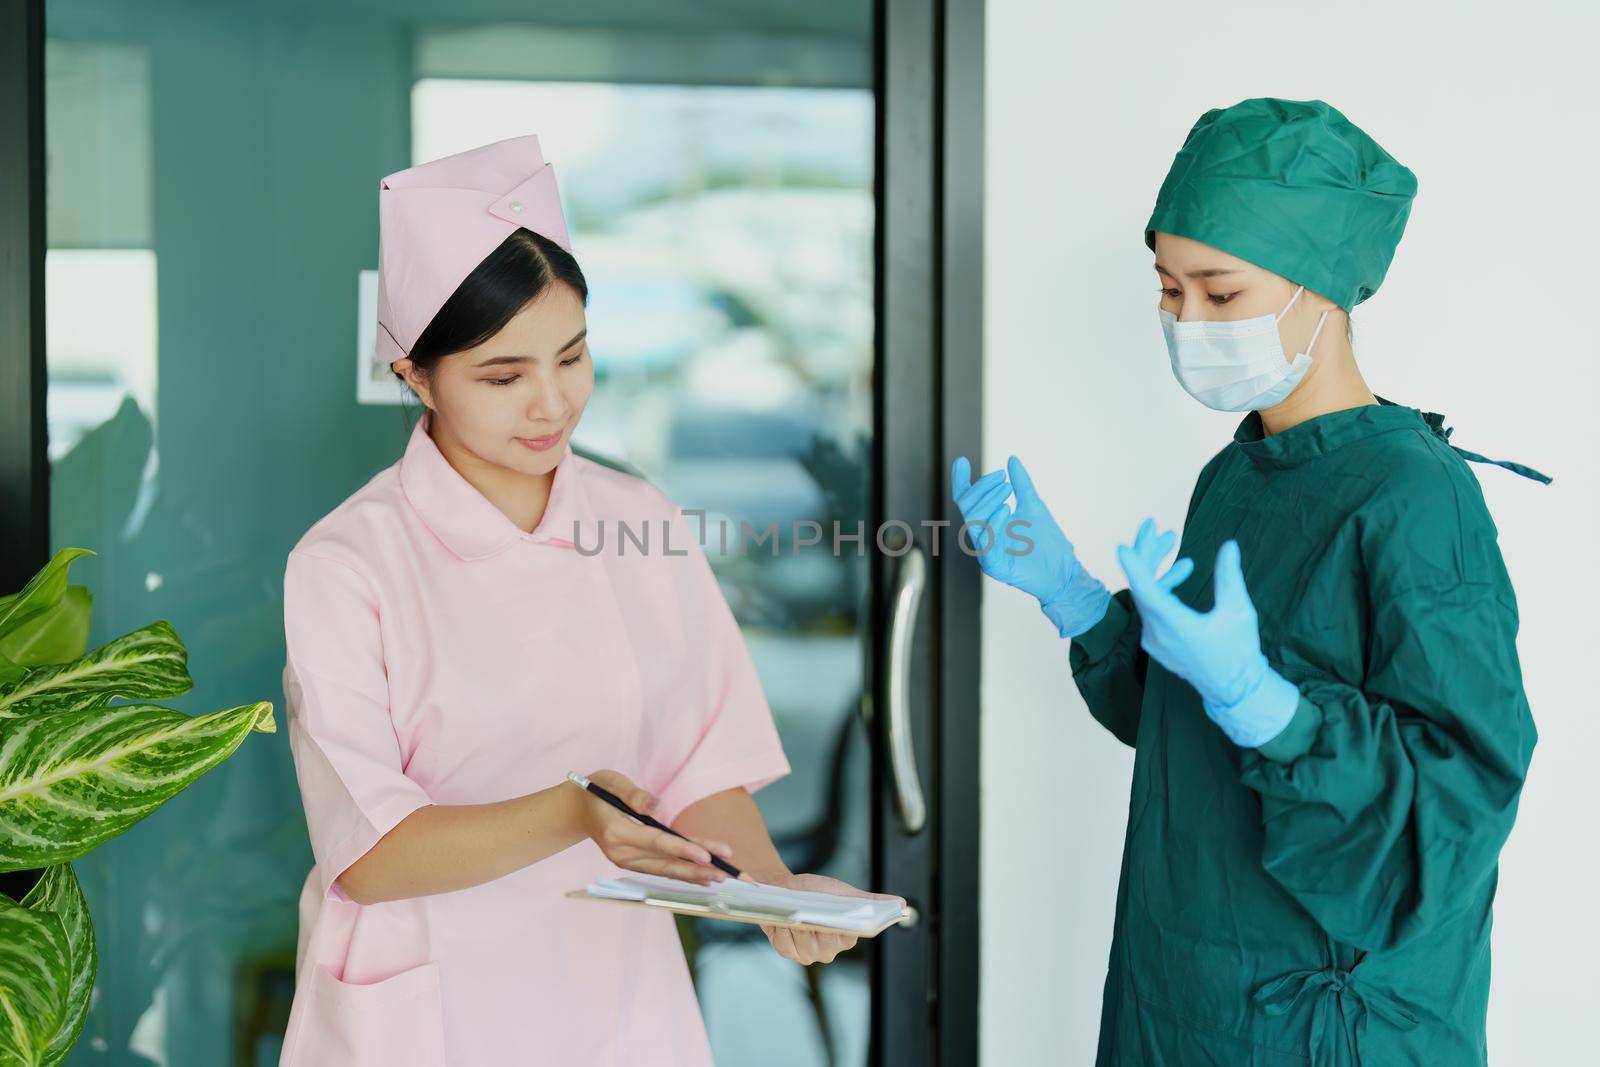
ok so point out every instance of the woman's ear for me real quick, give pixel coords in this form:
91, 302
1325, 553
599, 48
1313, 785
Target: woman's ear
415, 380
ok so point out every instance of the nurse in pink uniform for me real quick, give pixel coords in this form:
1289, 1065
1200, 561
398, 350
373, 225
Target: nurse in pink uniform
470, 626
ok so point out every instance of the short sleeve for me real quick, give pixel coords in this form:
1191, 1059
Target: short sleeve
346, 755
719, 734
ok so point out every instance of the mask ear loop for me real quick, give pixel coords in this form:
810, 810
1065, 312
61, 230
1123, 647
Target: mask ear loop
1313, 342
1320, 319
1290, 304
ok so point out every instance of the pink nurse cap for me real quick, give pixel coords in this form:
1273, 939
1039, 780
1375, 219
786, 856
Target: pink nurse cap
437, 221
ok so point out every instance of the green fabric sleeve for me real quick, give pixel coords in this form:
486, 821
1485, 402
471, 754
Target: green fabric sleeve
1384, 807
1295, 740
1109, 667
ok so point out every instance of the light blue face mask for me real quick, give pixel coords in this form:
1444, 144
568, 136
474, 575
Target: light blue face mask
1238, 365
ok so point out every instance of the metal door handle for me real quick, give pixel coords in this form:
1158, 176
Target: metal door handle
910, 579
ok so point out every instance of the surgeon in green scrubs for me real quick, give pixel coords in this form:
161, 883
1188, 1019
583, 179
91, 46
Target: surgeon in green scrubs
1323, 690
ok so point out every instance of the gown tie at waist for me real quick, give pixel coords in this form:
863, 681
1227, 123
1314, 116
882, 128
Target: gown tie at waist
1334, 987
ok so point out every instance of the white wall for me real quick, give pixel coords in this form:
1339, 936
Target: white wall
1488, 315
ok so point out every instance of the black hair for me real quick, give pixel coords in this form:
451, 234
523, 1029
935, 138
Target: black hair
517, 272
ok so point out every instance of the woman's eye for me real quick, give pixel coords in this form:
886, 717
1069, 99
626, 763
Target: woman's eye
1222, 298
501, 381
1170, 294
574, 359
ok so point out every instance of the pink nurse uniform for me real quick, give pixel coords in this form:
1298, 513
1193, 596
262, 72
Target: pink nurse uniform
439, 654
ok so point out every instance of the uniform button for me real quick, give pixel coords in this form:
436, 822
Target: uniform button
516, 206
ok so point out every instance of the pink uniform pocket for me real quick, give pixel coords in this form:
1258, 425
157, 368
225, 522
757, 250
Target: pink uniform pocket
396, 1022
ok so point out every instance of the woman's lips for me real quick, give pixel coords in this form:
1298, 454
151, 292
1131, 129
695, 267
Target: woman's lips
540, 444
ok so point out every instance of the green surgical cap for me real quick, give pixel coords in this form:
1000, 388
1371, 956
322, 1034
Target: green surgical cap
1292, 186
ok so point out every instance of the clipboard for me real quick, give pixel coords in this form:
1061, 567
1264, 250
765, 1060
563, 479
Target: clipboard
696, 909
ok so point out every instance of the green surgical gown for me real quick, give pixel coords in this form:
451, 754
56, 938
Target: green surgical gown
1325, 898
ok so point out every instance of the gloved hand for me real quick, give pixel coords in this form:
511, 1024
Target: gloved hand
1218, 652
1069, 596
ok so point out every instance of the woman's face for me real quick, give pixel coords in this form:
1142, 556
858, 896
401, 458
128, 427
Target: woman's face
514, 400
1201, 283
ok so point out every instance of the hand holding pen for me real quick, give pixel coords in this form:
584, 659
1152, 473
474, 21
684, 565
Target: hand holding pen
616, 815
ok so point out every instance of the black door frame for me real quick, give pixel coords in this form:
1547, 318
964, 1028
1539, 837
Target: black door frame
928, 396
929, 178
24, 464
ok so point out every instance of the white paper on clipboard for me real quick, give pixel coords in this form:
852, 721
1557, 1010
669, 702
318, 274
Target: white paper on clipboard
858, 915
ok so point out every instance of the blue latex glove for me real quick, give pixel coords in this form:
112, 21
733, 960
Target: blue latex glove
1218, 652
1069, 596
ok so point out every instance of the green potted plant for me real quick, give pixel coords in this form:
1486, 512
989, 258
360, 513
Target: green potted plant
76, 770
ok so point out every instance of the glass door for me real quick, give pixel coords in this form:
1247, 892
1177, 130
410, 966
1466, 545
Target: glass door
756, 196
211, 214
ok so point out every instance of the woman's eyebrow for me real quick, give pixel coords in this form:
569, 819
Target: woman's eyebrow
497, 360
1212, 273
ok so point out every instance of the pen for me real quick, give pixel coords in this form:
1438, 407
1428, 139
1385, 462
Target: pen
616, 802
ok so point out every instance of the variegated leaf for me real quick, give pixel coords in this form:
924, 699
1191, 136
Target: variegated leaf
148, 664
70, 782
57, 635
43, 623
35, 976
58, 891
